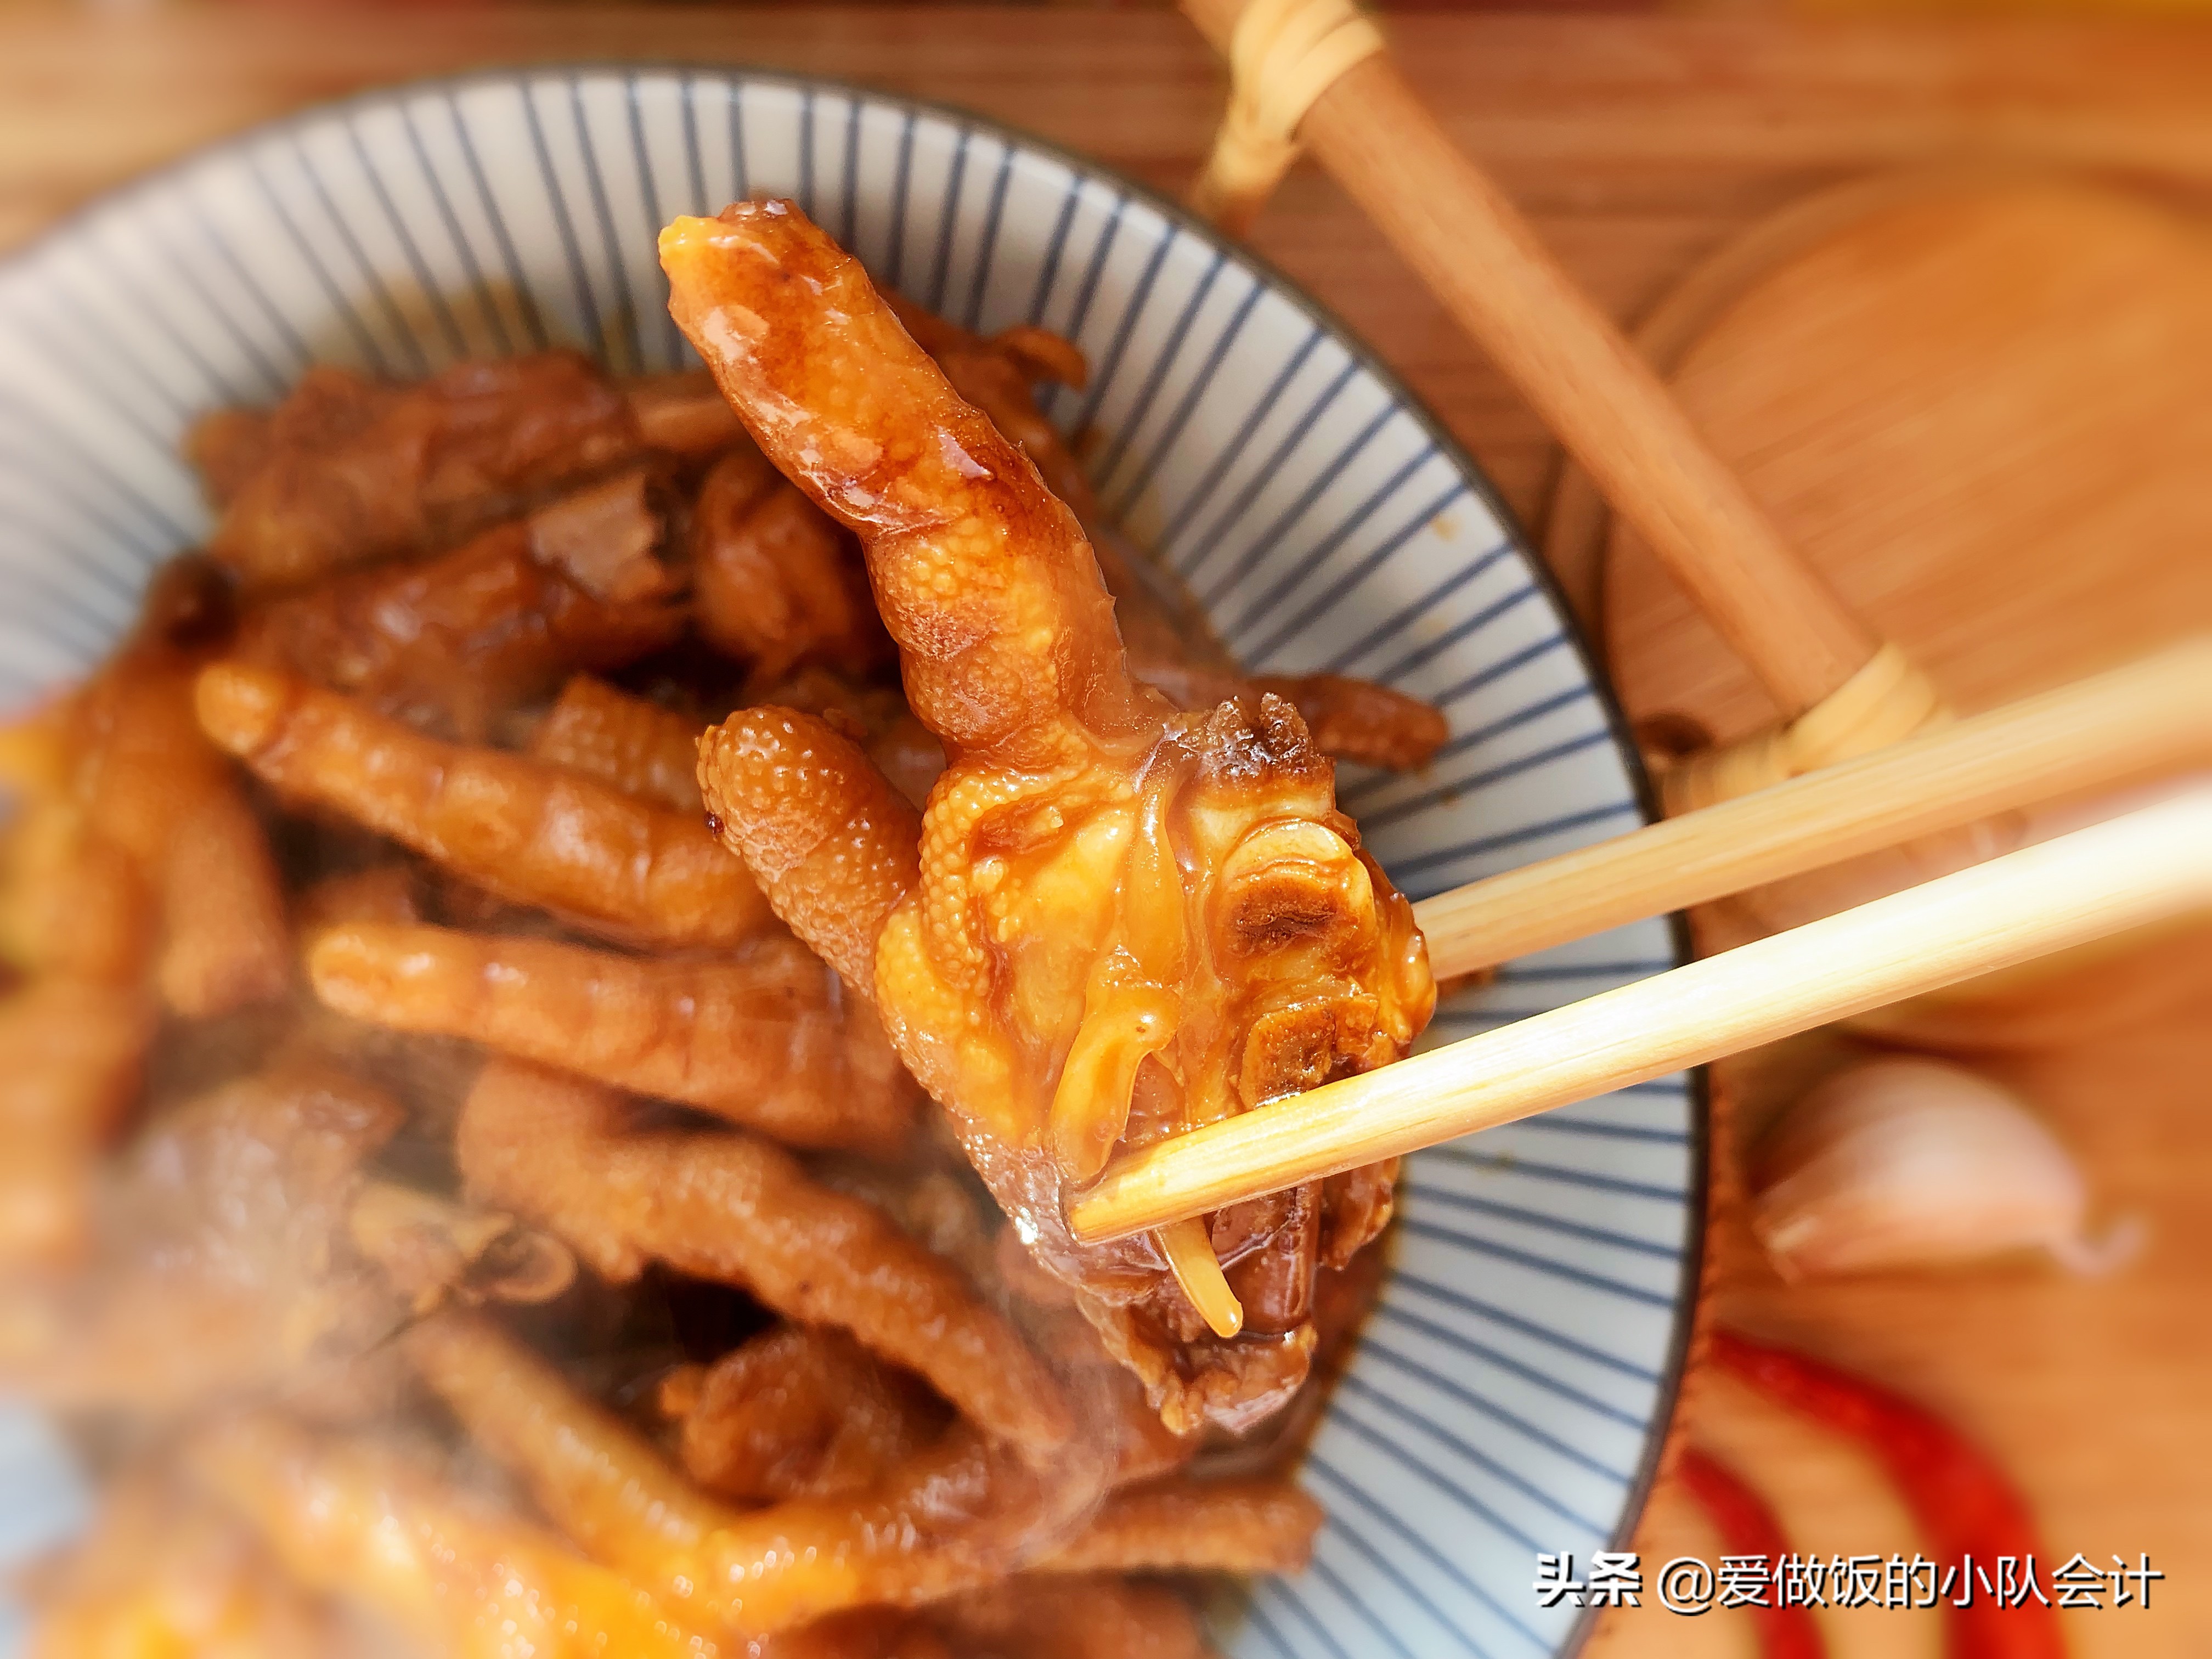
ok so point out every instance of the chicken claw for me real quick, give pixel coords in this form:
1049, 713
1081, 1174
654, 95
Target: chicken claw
801, 1411
529, 832
733, 1209
640, 748
832, 842
768, 1038
954, 1515
1126, 920
454, 642
362, 1520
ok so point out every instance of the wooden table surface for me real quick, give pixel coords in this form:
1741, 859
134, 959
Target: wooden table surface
1638, 144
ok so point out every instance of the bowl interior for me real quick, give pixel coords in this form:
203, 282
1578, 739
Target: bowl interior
1507, 1396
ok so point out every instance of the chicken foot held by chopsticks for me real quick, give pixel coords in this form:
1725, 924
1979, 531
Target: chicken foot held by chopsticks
1124, 920
1169, 645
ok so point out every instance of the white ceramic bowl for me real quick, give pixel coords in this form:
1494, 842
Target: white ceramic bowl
1509, 1393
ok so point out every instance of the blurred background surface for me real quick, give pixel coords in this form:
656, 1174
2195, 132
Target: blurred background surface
1646, 141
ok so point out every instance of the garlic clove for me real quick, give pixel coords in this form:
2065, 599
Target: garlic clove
1910, 1162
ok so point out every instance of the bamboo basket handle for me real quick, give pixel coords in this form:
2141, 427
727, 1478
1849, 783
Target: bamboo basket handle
1475, 251
2151, 865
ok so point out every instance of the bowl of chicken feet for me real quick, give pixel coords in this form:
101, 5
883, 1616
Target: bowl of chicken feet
647, 713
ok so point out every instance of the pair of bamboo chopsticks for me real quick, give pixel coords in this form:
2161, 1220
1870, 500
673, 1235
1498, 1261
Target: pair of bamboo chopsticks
2149, 865
2095, 734
1844, 690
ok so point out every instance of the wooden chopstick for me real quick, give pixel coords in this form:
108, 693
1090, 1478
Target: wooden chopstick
2146, 865
1450, 221
2099, 732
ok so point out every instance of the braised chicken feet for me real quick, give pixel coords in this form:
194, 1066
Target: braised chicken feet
1124, 920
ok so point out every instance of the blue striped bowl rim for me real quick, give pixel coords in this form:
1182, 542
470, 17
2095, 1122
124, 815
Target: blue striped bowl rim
1511, 1391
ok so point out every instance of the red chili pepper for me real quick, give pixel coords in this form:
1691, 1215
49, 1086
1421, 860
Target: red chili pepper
1747, 1527
1965, 1504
